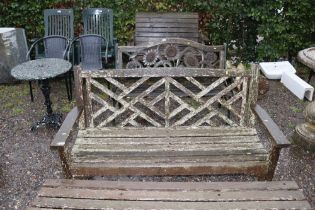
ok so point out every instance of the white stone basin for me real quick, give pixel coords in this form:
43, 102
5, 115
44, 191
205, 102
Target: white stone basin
274, 70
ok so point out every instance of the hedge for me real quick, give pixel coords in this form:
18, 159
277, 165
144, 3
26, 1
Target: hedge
254, 30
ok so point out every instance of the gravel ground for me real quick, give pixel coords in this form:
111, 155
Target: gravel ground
26, 159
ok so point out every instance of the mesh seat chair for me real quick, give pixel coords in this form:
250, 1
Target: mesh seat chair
55, 47
90, 51
100, 21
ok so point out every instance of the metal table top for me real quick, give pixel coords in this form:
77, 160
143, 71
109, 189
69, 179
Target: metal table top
40, 69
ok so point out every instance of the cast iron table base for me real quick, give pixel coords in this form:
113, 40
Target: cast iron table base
50, 119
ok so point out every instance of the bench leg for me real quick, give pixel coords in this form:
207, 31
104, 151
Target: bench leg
273, 160
64, 163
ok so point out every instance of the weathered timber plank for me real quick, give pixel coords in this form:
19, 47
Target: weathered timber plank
194, 186
85, 150
161, 195
167, 140
166, 20
166, 132
175, 159
148, 148
166, 34
180, 15
99, 204
249, 117
274, 130
88, 103
163, 29
169, 168
152, 40
164, 72
66, 127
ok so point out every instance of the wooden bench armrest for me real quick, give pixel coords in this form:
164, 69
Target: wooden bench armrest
65, 129
279, 139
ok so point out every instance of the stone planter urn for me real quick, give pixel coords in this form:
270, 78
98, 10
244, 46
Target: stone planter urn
305, 132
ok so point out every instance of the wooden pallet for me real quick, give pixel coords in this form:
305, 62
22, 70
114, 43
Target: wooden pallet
91, 194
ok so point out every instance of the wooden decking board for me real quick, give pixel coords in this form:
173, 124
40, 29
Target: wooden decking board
273, 129
164, 195
191, 186
97, 194
101, 204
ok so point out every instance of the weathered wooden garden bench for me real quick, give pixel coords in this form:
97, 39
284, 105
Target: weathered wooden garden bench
92, 194
168, 111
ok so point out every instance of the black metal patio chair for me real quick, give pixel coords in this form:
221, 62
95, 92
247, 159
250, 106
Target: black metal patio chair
54, 47
100, 21
90, 55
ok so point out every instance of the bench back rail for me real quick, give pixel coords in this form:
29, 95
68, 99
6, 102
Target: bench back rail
172, 52
167, 97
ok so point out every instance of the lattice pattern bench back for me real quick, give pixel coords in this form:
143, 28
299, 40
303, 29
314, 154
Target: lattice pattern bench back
166, 97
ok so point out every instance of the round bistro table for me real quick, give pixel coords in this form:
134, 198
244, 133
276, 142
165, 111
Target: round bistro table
43, 70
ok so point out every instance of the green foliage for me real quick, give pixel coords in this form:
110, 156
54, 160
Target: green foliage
285, 26
295, 109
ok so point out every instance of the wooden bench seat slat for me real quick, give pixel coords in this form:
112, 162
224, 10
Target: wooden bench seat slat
193, 186
171, 151
158, 160
114, 204
144, 195
232, 164
101, 169
166, 132
147, 147
166, 140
